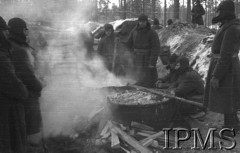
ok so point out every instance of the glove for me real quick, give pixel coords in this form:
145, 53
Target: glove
214, 83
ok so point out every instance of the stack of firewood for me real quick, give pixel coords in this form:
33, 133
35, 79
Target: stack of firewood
133, 138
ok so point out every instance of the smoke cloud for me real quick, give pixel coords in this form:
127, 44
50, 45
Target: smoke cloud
69, 77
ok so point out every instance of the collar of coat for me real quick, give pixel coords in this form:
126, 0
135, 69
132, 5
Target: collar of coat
147, 27
16, 44
17, 39
229, 23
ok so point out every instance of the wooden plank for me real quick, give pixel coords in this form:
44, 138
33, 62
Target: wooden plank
147, 132
105, 130
141, 126
147, 143
125, 150
154, 136
131, 141
115, 143
171, 141
169, 96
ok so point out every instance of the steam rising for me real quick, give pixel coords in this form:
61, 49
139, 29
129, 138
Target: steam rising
69, 78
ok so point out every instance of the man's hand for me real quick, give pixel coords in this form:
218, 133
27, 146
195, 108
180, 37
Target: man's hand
172, 92
214, 82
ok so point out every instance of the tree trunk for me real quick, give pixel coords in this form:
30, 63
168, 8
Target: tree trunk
165, 13
143, 6
153, 8
176, 10
188, 11
125, 9
236, 8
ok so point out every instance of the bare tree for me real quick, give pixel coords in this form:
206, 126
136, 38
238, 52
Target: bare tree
176, 9
188, 11
143, 6
153, 8
236, 8
125, 9
165, 13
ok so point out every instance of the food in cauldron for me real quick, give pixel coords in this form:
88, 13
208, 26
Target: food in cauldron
135, 97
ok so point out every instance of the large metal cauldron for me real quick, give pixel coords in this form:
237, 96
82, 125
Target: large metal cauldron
157, 115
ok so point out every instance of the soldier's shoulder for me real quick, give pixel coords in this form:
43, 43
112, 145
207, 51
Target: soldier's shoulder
192, 74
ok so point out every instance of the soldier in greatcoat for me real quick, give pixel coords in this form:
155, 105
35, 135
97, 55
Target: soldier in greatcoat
13, 95
145, 45
23, 61
222, 93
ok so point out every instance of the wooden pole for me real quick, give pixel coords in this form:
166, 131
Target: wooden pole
170, 96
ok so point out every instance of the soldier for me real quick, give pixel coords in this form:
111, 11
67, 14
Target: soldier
145, 45
197, 13
171, 77
188, 84
169, 22
156, 24
106, 46
23, 62
12, 97
87, 41
222, 93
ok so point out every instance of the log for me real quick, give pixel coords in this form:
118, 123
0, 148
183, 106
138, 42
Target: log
154, 136
141, 126
125, 150
131, 141
147, 143
147, 132
115, 143
169, 96
105, 131
171, 141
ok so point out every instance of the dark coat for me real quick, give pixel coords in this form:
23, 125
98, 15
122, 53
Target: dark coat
12, 96
145, 46
106, 50
197, 13
188, 84
226, 69
21, 57
87, 42
145, 39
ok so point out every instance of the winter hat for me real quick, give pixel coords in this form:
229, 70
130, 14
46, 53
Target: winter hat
17, 24
184, 65
3, 24
16, 27
197, 1
226, 11
173, 58
226, 6
108, 26
143, 17
184, 61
